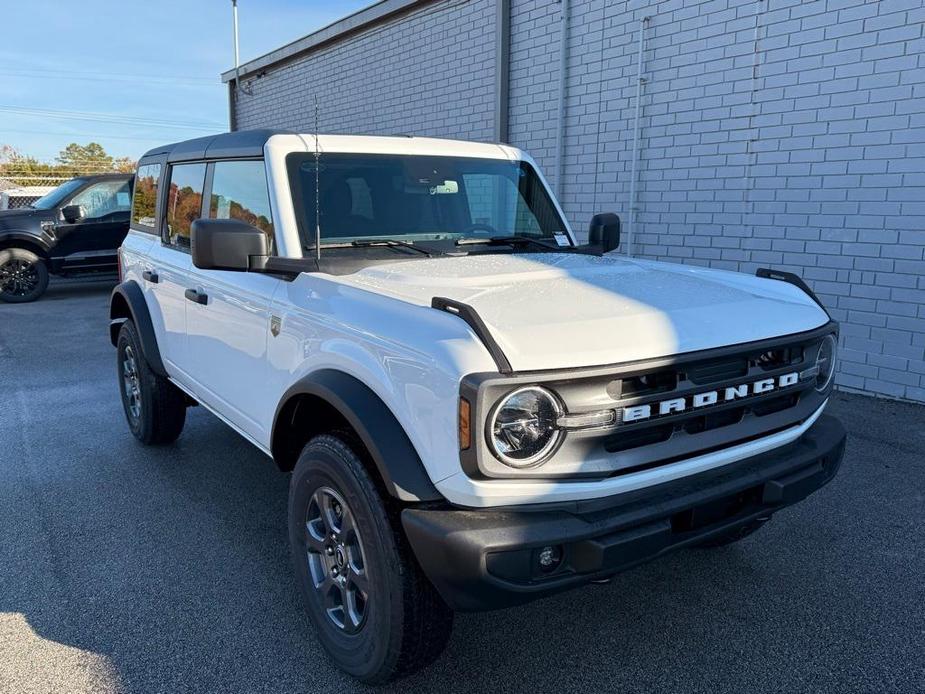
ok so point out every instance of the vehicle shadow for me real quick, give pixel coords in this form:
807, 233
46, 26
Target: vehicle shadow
74, 287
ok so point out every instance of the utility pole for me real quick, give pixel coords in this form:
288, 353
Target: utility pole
237, 55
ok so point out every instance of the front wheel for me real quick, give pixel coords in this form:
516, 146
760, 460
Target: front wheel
23, 276
376, 614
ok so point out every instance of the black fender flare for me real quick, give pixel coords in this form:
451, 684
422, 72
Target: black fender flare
13, 235
130, 294
395, 457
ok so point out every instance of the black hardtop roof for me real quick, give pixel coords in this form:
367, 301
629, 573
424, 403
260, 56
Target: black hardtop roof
241, 143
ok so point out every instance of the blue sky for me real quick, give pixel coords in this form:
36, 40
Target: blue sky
143, 62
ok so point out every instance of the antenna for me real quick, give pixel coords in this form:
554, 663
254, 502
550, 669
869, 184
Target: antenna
317, 187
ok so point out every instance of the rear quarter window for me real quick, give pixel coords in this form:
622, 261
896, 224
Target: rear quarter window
144, 202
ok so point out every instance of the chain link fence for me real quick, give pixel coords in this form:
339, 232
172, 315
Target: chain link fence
25, 190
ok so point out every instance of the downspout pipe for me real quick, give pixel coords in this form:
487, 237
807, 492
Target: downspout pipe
640, 80
563, 83
502, 68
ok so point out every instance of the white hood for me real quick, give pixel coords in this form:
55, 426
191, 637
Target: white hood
560, 310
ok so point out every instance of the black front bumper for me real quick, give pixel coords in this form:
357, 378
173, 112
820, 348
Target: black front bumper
487, 559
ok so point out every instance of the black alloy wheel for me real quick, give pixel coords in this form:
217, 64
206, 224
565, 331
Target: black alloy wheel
23, 276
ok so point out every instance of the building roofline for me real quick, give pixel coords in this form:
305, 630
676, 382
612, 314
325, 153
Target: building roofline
351, 24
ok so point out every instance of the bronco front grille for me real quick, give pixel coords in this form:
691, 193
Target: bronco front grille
684, 421
665, 409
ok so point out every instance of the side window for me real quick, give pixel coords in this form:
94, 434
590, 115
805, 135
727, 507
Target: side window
104, 198
145, 201
239, 191
184, 202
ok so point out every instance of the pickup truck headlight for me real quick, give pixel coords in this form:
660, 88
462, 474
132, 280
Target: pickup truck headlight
522, 430
825, 362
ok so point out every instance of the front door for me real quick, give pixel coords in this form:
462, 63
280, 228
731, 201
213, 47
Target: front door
105, 223
227, 329
228, 320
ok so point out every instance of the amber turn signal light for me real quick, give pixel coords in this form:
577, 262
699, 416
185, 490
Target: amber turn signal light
465, 432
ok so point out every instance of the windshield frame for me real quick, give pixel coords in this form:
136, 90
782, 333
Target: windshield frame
306, 230
57, 196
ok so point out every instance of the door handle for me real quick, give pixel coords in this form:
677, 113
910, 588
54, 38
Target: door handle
196, 296
151, 276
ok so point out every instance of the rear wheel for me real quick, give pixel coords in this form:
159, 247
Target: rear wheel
375, 612
155, 408
23, 276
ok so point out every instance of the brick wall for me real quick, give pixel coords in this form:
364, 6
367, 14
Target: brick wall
773, 132
430, 72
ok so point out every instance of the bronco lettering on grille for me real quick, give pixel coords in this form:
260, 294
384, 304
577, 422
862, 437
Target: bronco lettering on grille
639, 413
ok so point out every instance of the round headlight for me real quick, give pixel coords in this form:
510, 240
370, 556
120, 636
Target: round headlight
522, 431
825, 362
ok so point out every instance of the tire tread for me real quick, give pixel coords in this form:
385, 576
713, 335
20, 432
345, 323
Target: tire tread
426, 621
165, 408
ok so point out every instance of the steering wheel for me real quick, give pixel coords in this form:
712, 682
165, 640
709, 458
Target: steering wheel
481, 229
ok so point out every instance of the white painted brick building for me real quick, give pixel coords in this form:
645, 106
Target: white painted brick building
776, 133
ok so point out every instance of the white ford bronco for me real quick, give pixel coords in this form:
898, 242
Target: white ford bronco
476, 409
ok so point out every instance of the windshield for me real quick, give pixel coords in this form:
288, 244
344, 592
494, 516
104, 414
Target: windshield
420, 198
57, 196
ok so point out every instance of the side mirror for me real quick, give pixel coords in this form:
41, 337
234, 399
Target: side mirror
73, 213
226, 244
604, 231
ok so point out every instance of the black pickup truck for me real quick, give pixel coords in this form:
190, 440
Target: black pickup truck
76, 228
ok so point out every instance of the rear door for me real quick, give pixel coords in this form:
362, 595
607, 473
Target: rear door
229, 324
171, 264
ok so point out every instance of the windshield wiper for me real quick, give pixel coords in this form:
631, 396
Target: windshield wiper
388, 243
510, 241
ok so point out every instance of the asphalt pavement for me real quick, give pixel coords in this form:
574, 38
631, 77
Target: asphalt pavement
132, 569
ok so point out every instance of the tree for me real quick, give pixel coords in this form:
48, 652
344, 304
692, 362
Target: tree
84, 158
73, 160
21, 169
125, 165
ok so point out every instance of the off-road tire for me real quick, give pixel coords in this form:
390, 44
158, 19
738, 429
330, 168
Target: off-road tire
407, 624
161, 410
30, 280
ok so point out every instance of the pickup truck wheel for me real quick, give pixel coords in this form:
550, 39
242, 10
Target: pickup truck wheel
375, 612
731, 537
155, 408
23, 276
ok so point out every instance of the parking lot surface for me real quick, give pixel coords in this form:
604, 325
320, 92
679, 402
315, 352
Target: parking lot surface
134, 569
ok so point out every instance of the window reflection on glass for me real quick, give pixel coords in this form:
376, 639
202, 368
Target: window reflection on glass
104, 198
239, 191
184, 202
145, 201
